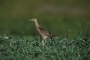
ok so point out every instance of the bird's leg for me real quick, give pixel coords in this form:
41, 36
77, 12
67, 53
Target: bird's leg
52, 40
43, 42
40, 38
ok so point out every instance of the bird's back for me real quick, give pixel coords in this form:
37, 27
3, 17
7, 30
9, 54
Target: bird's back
44, 32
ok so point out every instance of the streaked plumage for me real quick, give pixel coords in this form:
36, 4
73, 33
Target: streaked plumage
43, 32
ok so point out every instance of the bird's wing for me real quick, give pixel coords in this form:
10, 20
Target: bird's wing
44, 31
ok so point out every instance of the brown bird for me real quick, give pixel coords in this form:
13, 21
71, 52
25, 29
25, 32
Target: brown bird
43, 32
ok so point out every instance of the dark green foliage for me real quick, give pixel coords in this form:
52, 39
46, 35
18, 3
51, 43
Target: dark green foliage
29, 48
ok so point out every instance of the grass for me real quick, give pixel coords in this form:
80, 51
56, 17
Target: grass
31, 48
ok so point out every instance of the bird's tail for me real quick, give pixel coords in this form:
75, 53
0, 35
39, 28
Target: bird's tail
53, 36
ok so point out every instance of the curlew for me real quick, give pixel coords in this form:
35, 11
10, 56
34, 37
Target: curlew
44, 33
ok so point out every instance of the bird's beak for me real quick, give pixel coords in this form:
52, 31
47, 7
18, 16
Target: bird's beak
30, 20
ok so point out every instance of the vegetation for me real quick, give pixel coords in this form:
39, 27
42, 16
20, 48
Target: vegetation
31, 48
69, 19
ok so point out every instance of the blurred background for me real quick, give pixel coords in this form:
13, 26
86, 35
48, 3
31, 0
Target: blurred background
61, 17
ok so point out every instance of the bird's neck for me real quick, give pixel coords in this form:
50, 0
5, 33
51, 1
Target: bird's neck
36, 23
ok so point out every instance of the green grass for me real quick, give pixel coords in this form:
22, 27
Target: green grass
31, 48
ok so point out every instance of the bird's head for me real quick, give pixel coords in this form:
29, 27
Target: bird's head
34, 19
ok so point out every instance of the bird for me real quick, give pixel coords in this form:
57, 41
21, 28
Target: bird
44, 33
